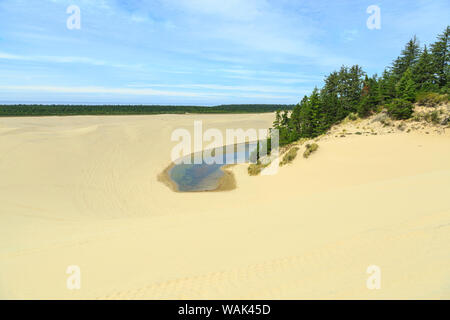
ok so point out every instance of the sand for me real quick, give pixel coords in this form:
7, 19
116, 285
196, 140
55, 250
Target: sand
84, 191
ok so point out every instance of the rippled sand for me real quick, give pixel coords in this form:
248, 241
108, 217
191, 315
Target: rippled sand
84, 191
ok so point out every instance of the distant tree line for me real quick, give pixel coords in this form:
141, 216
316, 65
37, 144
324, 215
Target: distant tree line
416, 73
72, 110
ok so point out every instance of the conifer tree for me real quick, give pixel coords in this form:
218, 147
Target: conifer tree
277, 122
330, 99
440, 51
423, 73
406, 87
369, 96
407, 58
386, 87
306, 119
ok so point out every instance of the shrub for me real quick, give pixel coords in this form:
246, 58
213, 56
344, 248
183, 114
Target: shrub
435, 117
310, 148
386, 122
419, 116
353, 117
445, 90
289, 156
380, 118
431, 99
365, 107
255, 169
400, 109
401, 127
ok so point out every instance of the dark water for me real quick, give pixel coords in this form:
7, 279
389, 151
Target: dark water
206, 177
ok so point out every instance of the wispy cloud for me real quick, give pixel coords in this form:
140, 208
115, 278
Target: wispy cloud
67, 59
260, 88
181, 50
137, 92
349, 35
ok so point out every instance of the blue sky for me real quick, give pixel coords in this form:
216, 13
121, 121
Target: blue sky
203, 52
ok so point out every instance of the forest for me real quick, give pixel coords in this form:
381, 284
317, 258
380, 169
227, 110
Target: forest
27, 110
419, 74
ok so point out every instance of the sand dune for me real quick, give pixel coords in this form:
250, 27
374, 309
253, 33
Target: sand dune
84, 191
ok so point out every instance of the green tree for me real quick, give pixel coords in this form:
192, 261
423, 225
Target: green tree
364, 105
386, 91
369, 98
407, 59
306, 119
349, 88
277, 122
400, 109
440, 51
423, 73
406, 87
330, 99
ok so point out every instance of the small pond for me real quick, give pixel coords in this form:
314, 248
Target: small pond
205, 176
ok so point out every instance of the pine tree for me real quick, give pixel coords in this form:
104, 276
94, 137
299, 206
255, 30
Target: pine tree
307, 118
407, 58
386, 87
374, 90
356, 84
330, 99
349, 88
369, 97
440, 51
318, 114
406, 87
295, 118
277, 122
284, 118
423, 73
364, 107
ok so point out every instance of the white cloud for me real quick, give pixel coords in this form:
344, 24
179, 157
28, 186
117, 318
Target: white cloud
253, 27
140, 92
349, 35
64, 59
264, 89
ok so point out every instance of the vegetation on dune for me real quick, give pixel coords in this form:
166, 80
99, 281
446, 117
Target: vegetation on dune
310, 148
400, 109
255, 169
431, 99
72, 110
417, 75
434, 117
289, 156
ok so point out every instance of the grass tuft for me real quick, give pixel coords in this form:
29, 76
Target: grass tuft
310, 148
255, 169
289, 156
431, 99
